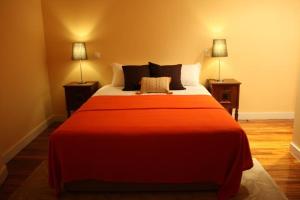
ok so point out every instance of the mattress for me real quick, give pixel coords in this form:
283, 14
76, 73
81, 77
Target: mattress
109, 90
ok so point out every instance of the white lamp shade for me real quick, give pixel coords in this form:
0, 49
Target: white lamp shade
79, 51
219, 48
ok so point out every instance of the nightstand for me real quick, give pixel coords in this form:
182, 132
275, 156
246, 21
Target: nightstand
76, 94
226, 93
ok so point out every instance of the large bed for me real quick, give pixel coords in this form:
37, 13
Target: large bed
120, 137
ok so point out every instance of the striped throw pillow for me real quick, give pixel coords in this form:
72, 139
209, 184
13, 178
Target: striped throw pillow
155, 85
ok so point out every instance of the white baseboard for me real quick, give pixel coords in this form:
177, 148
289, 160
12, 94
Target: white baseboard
265, 115
295, 150
31, 135
3, 174
23, 142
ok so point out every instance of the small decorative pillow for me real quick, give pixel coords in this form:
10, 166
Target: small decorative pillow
155, 85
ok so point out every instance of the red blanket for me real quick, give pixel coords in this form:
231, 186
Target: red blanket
150, 139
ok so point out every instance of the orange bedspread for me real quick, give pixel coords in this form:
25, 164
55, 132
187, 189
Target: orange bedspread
150, 139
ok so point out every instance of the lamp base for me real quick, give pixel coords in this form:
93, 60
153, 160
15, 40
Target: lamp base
81, 82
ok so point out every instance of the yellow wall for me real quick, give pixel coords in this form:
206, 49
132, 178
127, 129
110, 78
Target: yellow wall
24, 89
262, 36
296, 135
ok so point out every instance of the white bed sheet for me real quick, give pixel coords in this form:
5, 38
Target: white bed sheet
109, 90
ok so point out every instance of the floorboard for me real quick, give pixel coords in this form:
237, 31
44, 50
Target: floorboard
269, 142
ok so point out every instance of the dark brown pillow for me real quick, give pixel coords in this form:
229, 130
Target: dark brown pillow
173, 71
133, 75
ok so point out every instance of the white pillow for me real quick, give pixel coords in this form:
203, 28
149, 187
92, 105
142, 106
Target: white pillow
190, 74
118, 75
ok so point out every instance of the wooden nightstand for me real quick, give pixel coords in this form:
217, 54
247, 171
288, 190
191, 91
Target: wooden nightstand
76, 94
227, 93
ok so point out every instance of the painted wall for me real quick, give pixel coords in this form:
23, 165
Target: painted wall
263, 42
296, 135
24, 90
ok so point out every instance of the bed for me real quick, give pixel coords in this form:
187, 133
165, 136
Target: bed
121, 137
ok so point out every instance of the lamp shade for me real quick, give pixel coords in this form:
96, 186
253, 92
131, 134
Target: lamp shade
219, 48
79, 51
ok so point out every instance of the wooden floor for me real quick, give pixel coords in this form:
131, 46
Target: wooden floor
269, 141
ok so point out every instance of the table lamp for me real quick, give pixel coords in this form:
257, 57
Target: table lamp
219, 49
79, 53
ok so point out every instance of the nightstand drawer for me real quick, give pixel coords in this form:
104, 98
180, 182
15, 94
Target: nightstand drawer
226, 93
77, 94
76, 97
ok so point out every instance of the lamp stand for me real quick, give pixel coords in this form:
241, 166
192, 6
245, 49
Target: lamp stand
219, 80
81, 80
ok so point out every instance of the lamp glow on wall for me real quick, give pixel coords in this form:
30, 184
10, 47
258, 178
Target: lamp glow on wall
219, 49
79, 53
